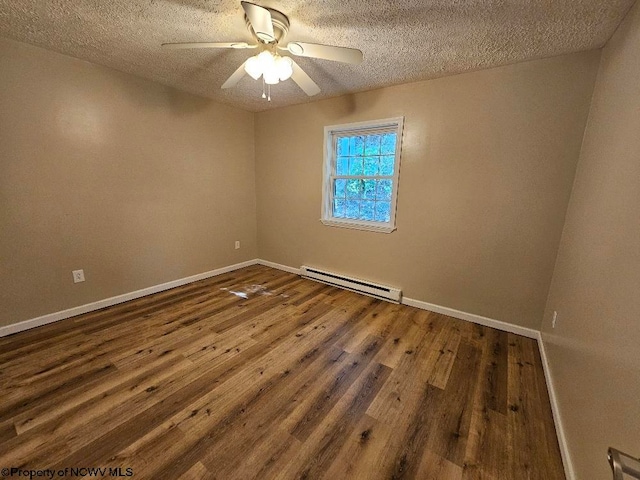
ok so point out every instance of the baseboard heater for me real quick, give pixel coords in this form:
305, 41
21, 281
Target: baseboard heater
361, 286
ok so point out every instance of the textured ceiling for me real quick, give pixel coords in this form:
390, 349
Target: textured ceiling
402, 41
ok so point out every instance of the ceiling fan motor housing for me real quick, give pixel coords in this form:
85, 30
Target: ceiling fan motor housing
280, 25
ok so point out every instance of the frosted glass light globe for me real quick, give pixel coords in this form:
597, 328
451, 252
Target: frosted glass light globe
253, 68
284, 66
266, 61
271, 77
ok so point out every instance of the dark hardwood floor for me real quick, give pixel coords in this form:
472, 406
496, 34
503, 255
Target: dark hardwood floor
297, 381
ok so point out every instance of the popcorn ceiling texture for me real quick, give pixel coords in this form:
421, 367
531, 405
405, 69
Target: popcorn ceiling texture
402, 41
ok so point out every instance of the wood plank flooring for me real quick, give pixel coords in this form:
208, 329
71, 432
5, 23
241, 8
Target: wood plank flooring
298, 380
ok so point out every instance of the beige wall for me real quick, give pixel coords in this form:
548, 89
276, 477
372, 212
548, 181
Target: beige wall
139, 184
136, 183
488, 162
594, 350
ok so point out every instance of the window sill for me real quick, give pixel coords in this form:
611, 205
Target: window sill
359, 226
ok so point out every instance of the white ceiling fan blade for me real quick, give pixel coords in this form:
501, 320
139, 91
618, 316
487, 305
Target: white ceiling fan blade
326, 52
260, 19
304, 81
235, 77
180, 46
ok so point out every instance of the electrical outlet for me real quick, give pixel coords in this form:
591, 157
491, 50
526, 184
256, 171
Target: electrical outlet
554, 319
237, 244
78, 276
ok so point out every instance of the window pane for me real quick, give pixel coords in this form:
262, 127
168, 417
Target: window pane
343, 145
354, 188
367, 210
356, 145
371, 166
353, 209
386, 165
339, 207
388, 144
384, 190
342, 166
355, 166
372, 145
340, 185
369, 189
383, 210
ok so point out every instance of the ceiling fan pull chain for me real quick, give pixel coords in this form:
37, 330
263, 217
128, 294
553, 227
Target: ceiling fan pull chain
269, 97
263, 94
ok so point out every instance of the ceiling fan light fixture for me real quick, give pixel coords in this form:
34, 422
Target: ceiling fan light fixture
273, 68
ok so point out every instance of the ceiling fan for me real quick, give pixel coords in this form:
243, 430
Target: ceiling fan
269, 28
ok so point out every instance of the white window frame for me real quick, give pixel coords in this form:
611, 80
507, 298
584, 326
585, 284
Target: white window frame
330, 136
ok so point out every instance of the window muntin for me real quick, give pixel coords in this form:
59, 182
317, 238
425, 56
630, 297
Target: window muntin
361, 174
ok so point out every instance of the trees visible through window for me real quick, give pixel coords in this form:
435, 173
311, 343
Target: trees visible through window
361, 174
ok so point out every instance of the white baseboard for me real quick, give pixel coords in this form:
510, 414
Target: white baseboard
555, 409
279, 266
471, 317
107, 302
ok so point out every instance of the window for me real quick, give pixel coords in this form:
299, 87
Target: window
361, 166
